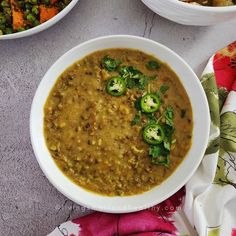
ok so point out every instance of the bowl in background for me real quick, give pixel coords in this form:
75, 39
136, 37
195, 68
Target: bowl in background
189, 14
159, 193
42, 26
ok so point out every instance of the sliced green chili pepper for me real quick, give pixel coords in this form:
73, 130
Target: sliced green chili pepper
153, 134
150, 103
116, 86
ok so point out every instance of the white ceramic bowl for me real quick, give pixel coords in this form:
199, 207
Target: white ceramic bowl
42, 26
189, 14
175, 181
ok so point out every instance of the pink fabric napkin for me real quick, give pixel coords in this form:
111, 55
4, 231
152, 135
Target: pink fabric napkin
154, 221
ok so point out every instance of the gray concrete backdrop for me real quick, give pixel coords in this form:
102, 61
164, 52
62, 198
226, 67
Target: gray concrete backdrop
29, 204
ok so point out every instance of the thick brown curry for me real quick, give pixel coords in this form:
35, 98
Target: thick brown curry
90, 133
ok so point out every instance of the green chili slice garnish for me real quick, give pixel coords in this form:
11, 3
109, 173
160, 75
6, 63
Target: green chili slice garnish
116, 86
150, 103
153, 134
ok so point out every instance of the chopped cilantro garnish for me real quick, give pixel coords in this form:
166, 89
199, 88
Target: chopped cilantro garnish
159, 155
137, 118
164, 88
151, 119
158, 128
140, 82
137, 104
134, 77
152, 77
167, 145
129, 72
153, 65
110, 64
169, 116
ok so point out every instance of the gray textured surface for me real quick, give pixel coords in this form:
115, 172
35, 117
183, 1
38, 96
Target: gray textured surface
29, 205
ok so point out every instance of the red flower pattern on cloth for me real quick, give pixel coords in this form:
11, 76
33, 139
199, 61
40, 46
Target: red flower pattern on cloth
224, 64
233, 232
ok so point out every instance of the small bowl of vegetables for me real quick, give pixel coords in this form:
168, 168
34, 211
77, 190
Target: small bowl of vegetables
21, 18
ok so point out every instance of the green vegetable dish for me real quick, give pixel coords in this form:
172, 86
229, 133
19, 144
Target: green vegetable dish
20, 15
118, 122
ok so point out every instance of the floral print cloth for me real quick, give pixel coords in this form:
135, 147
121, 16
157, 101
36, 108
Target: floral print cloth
206, 206
210, 202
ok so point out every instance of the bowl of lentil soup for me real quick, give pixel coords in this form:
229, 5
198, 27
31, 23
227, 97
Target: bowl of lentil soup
114, 123
20, 18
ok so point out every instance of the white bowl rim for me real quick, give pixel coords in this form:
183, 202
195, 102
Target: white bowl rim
204, 8
42, 26
153, 202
